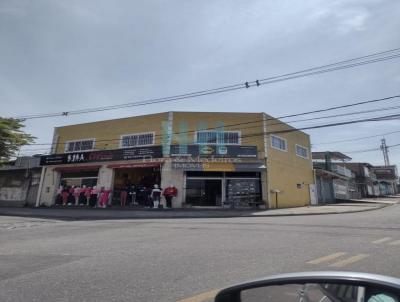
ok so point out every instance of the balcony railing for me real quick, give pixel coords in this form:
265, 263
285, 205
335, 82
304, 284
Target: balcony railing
341, 170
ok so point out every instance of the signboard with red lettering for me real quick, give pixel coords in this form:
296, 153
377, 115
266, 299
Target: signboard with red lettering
102, 156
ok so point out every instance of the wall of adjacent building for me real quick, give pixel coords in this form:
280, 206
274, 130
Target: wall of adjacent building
19, 187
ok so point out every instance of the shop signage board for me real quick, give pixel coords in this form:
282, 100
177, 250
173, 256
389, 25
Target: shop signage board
101, 156
187, 166
213, 150
218, 166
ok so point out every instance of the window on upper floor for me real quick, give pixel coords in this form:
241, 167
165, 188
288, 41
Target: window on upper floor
79, 145
218, 137
301, 151
137, 140
278, 143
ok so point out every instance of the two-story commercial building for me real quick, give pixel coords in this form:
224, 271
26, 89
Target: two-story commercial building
212, 158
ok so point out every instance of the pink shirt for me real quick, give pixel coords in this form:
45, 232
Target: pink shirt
105, 195
77, 191
87, 191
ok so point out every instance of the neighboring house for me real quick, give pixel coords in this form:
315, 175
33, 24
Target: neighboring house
365, 179
213, 158
333, 180
387, 178
19, 181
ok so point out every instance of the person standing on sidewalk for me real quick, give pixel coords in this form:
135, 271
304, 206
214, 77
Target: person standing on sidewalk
65, 193
169, 193
88, 193
156, 196
123, 195
94, 192
104, 196
77, 191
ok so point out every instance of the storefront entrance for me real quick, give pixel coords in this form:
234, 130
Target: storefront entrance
79, 178
137, 176
236, 189
204, 192
137, 181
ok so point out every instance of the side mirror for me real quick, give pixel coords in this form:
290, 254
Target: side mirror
315, 287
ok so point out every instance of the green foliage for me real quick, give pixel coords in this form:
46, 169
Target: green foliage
12, 138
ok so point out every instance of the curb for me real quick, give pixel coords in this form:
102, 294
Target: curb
179, 216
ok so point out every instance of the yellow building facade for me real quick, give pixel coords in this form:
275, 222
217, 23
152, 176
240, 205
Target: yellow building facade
213, 159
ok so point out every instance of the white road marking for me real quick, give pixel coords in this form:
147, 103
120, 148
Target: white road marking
345, 262
379, 241
327, 258
396, 242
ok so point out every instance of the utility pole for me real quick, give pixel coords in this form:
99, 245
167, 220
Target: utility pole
385, 151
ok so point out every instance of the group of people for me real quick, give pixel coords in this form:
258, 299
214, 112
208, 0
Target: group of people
148, 197
135, 196
83, 196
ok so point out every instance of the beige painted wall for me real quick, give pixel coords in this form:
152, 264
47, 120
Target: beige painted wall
107, 133
250, 125
286, 169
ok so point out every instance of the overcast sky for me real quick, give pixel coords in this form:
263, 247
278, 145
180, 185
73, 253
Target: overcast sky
66, 55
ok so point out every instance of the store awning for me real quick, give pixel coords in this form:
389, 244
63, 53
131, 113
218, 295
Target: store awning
77, 168
135, 165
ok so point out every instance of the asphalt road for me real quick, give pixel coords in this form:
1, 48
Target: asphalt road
179, 259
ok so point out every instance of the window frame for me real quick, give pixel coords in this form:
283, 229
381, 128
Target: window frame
79, 140
153, 133
281, 138
239, 133
299, 155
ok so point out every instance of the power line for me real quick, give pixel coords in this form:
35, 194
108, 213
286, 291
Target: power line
258, 121
374, 119
356, 139
372, 58
342, 114
373, 149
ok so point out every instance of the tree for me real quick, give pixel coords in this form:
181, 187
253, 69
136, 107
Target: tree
12, 138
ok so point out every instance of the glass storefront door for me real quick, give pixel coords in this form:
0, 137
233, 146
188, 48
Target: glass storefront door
204, 192
238, 189
242, 192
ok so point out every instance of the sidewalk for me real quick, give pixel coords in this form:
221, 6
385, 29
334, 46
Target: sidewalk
128, 213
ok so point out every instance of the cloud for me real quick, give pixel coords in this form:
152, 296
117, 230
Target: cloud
14, 8
65, 55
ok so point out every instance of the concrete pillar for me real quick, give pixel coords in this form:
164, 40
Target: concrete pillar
50, 183
264, 189
174, 177
39, 193
105, 178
